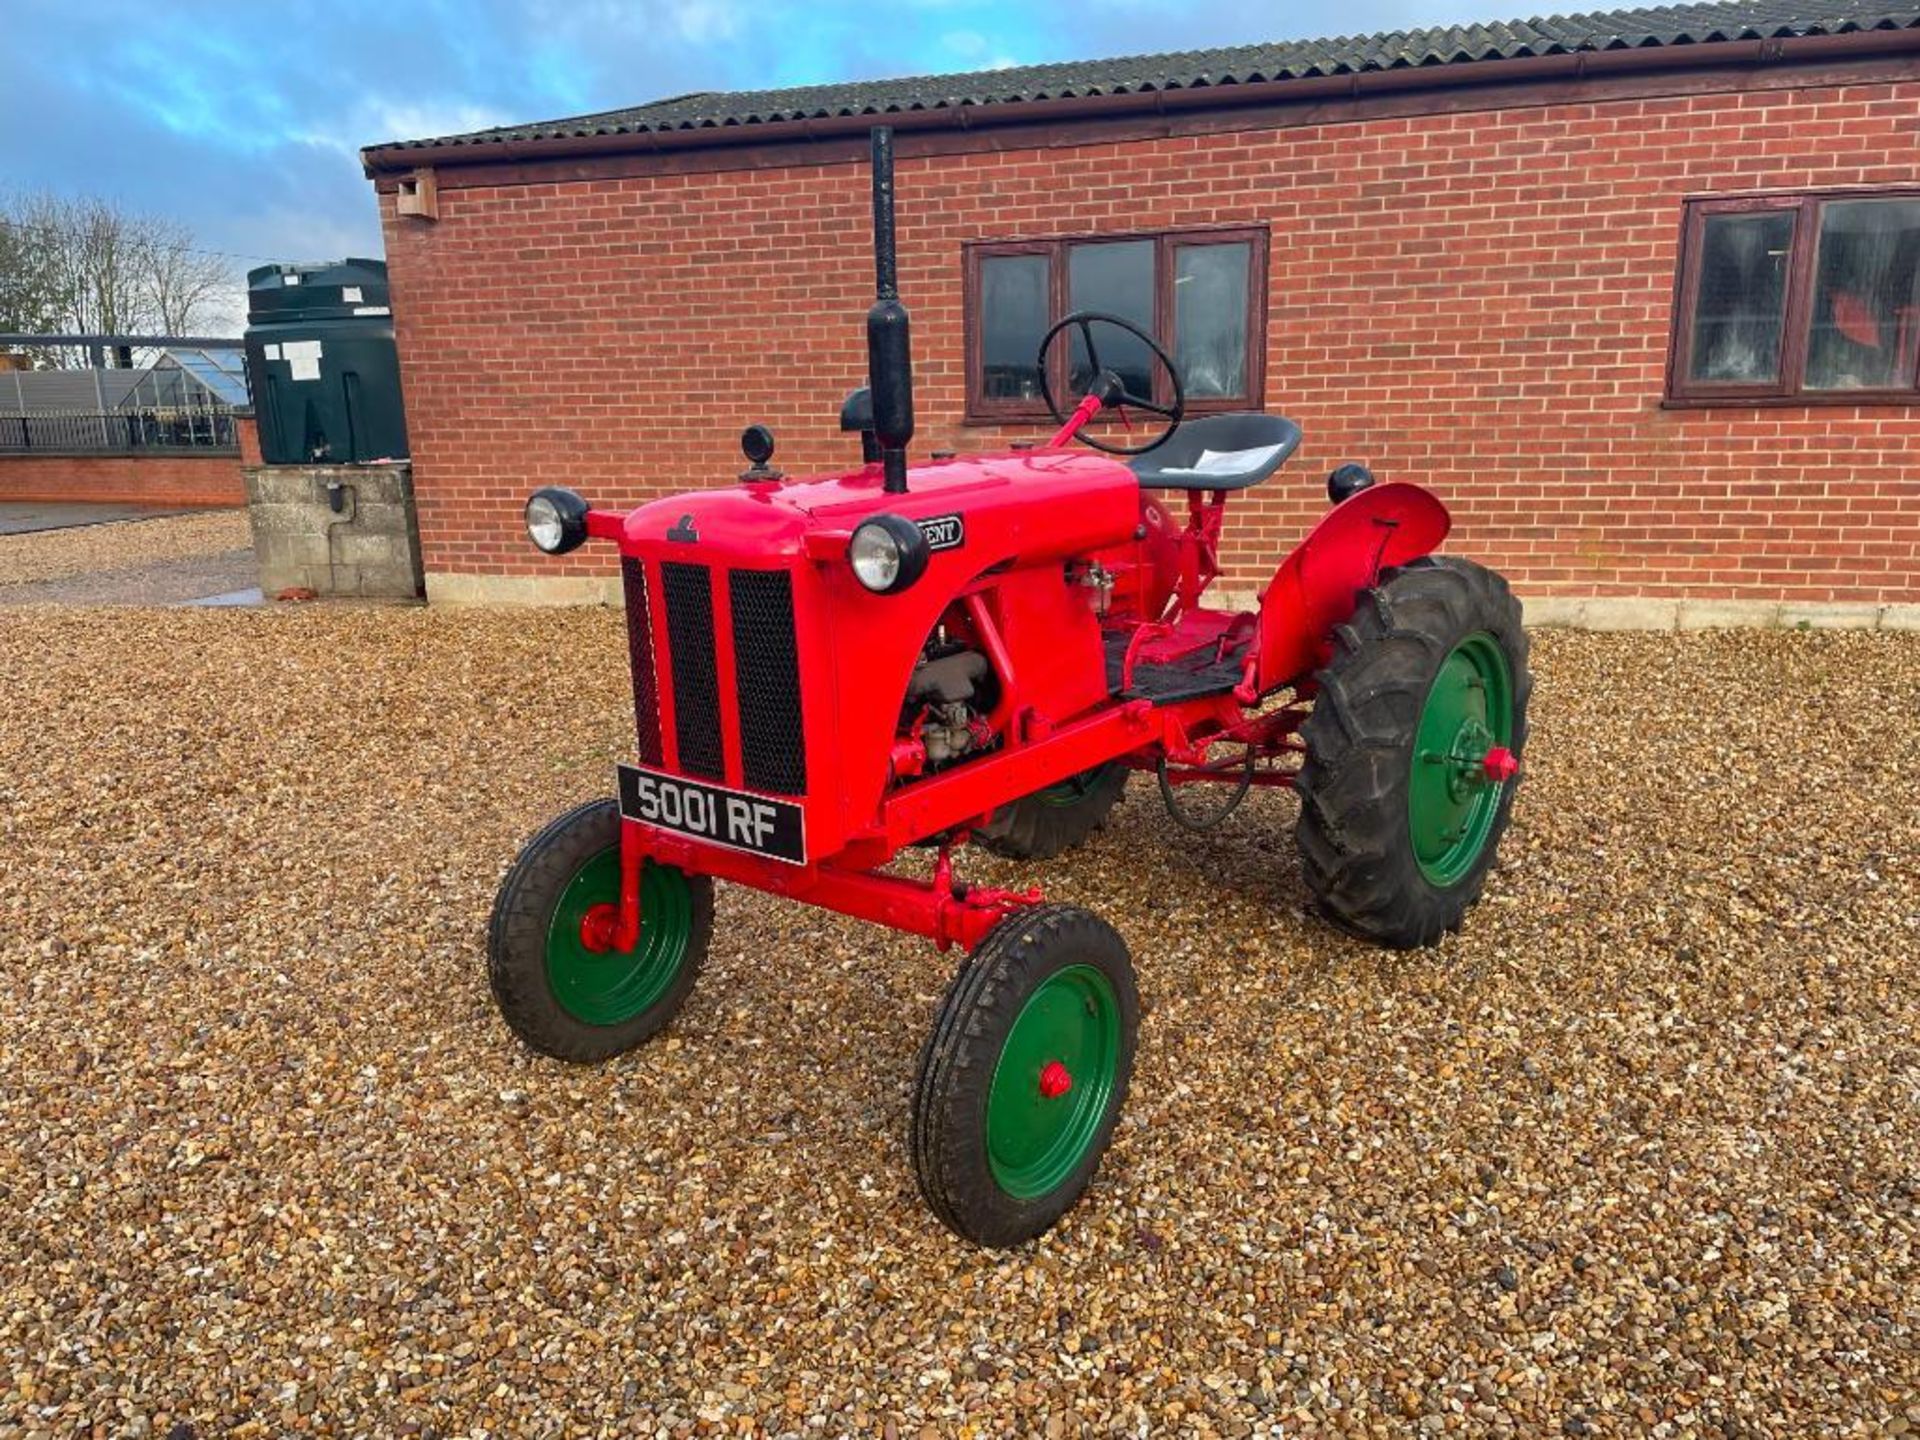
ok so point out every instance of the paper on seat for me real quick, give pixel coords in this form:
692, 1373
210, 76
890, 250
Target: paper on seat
1226, 462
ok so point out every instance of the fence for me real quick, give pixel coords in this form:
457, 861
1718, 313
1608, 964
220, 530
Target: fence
192, 429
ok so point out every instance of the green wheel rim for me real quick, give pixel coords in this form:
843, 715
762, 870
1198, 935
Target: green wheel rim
1451, 804
1070, 791
606, 987
1036, 1140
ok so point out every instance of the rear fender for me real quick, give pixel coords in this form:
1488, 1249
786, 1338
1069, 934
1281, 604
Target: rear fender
1318, 585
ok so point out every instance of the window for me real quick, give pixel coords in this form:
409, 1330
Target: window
1200, 293
1798, 299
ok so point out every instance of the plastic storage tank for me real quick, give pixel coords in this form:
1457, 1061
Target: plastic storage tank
321, 359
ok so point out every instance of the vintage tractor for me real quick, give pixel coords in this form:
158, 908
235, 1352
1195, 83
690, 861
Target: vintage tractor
829, 670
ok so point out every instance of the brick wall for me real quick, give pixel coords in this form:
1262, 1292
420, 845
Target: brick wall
1477, 301
246, 428
184, 480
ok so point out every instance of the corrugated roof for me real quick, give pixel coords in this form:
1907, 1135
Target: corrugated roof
49, 392
1657, 27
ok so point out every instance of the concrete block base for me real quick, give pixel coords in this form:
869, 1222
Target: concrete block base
1631, 614
367, 548
1562, 611
450, 589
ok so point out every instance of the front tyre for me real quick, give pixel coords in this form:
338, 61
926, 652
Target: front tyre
1421, 710
1021, 1082
558, 979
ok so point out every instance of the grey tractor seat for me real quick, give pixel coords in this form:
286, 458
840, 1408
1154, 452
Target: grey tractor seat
1219, 452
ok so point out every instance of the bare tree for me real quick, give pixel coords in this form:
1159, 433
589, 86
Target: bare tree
182, 283
87, 265
29, 285
97, 265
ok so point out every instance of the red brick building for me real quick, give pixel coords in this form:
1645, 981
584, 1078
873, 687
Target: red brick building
1638, 293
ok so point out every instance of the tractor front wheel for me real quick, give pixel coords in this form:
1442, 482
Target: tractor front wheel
561, 982
1042, 825
1022, 1080
1412, 749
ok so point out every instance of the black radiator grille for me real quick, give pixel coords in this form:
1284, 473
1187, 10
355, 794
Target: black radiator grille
646, 692
696, 698
773, 755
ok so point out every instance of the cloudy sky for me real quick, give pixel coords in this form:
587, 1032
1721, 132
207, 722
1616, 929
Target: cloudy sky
244, 120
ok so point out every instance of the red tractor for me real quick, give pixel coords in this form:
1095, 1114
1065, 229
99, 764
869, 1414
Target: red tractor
827, 671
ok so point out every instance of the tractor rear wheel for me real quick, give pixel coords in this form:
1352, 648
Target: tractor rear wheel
1021, 1082
557, 977
1412, 745
1042, 825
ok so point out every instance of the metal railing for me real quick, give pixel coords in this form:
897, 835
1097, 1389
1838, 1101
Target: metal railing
120, 432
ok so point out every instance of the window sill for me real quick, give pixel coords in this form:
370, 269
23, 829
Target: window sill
982, 418
1823, 399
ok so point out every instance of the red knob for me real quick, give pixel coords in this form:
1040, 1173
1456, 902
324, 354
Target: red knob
1500, 764
1054, 1080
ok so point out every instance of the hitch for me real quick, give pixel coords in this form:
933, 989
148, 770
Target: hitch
964, 912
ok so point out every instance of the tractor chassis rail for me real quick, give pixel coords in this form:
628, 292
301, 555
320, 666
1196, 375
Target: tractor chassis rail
946, 911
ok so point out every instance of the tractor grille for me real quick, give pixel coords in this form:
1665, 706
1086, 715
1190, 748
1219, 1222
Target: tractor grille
763, 707
696, 690
773, 753
646, 693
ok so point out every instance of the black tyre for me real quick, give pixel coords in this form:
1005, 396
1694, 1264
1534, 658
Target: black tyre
1021, 1082
556, 977
1403, 799
1046, 823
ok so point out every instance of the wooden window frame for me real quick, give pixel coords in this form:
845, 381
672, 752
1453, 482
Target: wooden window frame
1797, 318
980, 410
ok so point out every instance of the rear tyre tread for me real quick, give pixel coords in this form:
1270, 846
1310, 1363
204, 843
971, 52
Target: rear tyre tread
1353, 832
1033, 829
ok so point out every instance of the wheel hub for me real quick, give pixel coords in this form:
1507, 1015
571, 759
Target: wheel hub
593, 980
1052, 1081
598, 927
1461, 759
1055, 1080
1473, 761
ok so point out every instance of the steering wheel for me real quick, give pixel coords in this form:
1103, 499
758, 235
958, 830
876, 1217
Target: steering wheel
1108, 385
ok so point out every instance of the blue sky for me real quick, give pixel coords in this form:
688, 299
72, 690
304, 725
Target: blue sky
243, 120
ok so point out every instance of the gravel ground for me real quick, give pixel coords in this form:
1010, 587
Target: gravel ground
126, 545
1638, 1153
169, 582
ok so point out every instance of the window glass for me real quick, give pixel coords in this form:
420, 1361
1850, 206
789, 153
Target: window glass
1743, 297
1013, 317
1115, 279
1864, 295
1210, 318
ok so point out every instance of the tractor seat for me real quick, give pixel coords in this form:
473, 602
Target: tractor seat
1219, 452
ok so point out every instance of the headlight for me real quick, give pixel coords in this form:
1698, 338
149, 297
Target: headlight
556, 520
888, 553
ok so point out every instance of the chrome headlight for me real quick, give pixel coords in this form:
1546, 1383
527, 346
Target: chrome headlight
556, 520
888, 553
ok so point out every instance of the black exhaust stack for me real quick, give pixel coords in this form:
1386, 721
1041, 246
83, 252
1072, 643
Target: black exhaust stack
889, 355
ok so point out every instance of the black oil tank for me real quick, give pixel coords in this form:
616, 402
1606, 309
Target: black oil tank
322, 364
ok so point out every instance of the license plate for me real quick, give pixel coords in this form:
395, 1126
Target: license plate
733, 818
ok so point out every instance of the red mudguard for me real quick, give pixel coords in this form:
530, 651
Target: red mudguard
1317, 585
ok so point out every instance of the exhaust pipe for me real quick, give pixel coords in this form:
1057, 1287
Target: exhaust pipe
889, 353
